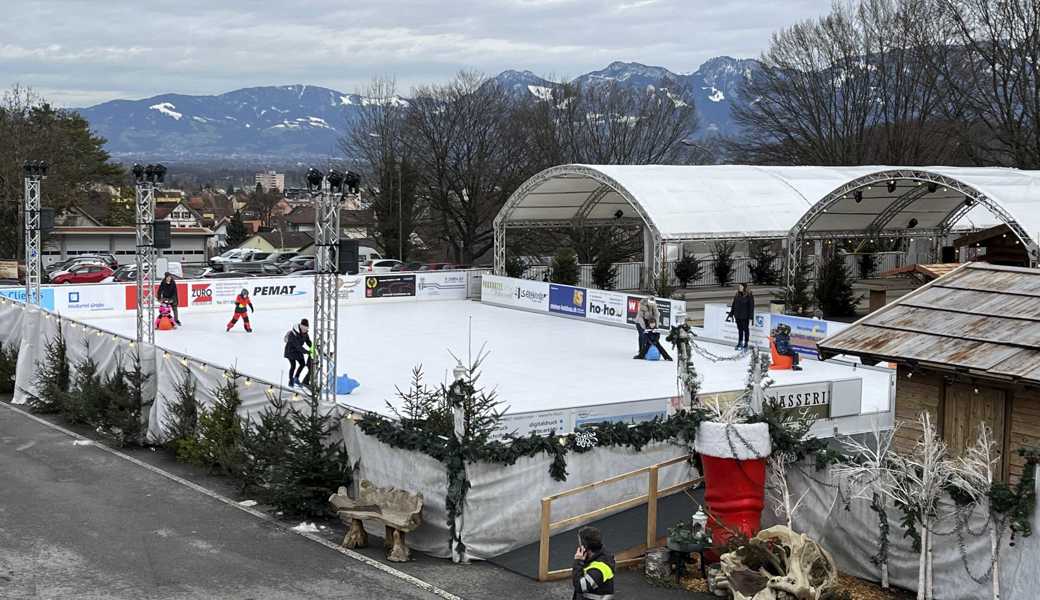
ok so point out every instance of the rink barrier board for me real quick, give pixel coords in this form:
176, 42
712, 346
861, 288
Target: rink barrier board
115, 299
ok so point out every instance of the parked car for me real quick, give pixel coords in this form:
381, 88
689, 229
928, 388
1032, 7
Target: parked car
68, 263
233, 255
366, 254
299, 263
82, 274
210, 274
280, 258
129, 273
383, 265
440, 266
407, 267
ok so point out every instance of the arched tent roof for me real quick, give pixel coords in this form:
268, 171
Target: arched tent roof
676, 202
734, 201
902, 199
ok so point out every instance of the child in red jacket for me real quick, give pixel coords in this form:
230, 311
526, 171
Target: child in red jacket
242, 302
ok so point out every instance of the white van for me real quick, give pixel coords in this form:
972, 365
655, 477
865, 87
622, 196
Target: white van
365, 254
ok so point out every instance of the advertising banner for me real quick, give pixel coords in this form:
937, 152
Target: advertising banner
623, 412
517, 293
606, 306
542, 423
567, 300
350, 288
389, 286
815, 398
89, 299
200, 295
46, 296
131, 296
445, 285
805, 332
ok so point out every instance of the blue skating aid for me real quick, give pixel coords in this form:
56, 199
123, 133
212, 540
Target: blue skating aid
345, 385
653, 353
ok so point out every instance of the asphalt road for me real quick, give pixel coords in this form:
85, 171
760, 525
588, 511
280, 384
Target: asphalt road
78, 522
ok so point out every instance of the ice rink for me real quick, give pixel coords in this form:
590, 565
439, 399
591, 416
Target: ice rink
536, 362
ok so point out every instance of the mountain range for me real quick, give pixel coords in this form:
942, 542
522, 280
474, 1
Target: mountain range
304, 122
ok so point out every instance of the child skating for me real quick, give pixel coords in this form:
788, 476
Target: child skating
165, 320
242, 304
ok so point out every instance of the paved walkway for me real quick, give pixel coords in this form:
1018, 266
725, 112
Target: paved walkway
77, 521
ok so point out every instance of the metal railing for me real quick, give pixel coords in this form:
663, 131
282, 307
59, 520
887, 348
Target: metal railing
650, 498
629, 275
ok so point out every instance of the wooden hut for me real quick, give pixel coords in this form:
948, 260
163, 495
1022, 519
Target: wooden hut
967, 346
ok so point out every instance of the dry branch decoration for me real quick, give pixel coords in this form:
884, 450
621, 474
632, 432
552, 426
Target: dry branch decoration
870, 478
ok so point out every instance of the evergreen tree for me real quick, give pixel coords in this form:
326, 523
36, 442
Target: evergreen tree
8, 365
312, 468
688, 269
219, 440
85, 403
763, 270
237, 232
796, 294
867, 265
833, 292
52, 377
182, 423
665, 289
565, 267
603, 270
514, 267
722, 262
265, 445
126, 421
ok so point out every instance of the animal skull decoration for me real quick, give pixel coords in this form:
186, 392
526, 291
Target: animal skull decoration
778, 564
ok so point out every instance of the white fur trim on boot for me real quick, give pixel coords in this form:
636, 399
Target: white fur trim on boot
721, 439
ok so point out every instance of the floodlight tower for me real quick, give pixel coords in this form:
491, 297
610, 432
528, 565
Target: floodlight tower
327, 191
35, 172
145, 181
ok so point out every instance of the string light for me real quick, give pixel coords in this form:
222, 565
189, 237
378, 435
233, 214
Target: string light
184, 362
165, 354
249, 382
295, 397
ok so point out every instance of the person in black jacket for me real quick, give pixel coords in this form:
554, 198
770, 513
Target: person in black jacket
742, 310
168, 294
593, 571
295, 340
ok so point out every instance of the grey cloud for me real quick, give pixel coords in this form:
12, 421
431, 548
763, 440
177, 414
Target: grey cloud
79, 52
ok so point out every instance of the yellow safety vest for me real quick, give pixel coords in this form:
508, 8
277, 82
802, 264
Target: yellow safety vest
603, 568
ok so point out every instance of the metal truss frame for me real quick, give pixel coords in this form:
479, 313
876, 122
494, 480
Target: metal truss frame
327, 205
33, 240
145, 260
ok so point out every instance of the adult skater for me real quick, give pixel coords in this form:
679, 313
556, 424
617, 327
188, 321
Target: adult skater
242, 304
742, 309
648, 312
168, 293
295, 340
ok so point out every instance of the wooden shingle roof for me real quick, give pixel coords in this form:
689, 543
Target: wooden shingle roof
979, 318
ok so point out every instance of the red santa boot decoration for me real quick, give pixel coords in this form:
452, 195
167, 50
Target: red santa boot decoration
734, 458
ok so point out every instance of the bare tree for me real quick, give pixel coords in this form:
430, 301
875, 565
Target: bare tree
468, 157
853, 87
991, 58
377, 140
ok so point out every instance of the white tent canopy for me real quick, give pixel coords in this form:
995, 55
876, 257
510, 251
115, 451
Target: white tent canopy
683, 203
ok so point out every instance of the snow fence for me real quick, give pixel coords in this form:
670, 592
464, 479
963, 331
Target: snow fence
852, 537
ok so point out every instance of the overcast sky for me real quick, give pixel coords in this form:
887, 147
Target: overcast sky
81, 52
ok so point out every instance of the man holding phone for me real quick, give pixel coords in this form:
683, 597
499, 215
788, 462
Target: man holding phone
593, 570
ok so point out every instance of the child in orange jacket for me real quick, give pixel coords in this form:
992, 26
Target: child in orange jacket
242, 302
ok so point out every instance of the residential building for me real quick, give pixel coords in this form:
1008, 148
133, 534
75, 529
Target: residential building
354, 224
179, 214
269, 241
188, 244
271, 181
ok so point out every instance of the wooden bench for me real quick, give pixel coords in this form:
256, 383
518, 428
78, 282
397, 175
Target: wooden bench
399, 511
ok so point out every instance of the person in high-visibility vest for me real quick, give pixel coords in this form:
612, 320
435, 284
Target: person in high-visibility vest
593, 570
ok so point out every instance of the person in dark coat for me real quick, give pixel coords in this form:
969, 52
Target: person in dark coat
592, 573
782, 339
742, 310
295, 340
168, 294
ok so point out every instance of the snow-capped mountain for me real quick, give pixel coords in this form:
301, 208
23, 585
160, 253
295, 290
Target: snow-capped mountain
300, 121
284, 121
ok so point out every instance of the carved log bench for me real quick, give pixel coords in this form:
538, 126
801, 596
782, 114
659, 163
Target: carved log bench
399, 511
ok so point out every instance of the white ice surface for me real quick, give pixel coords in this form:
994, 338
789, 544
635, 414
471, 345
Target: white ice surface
536, 362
